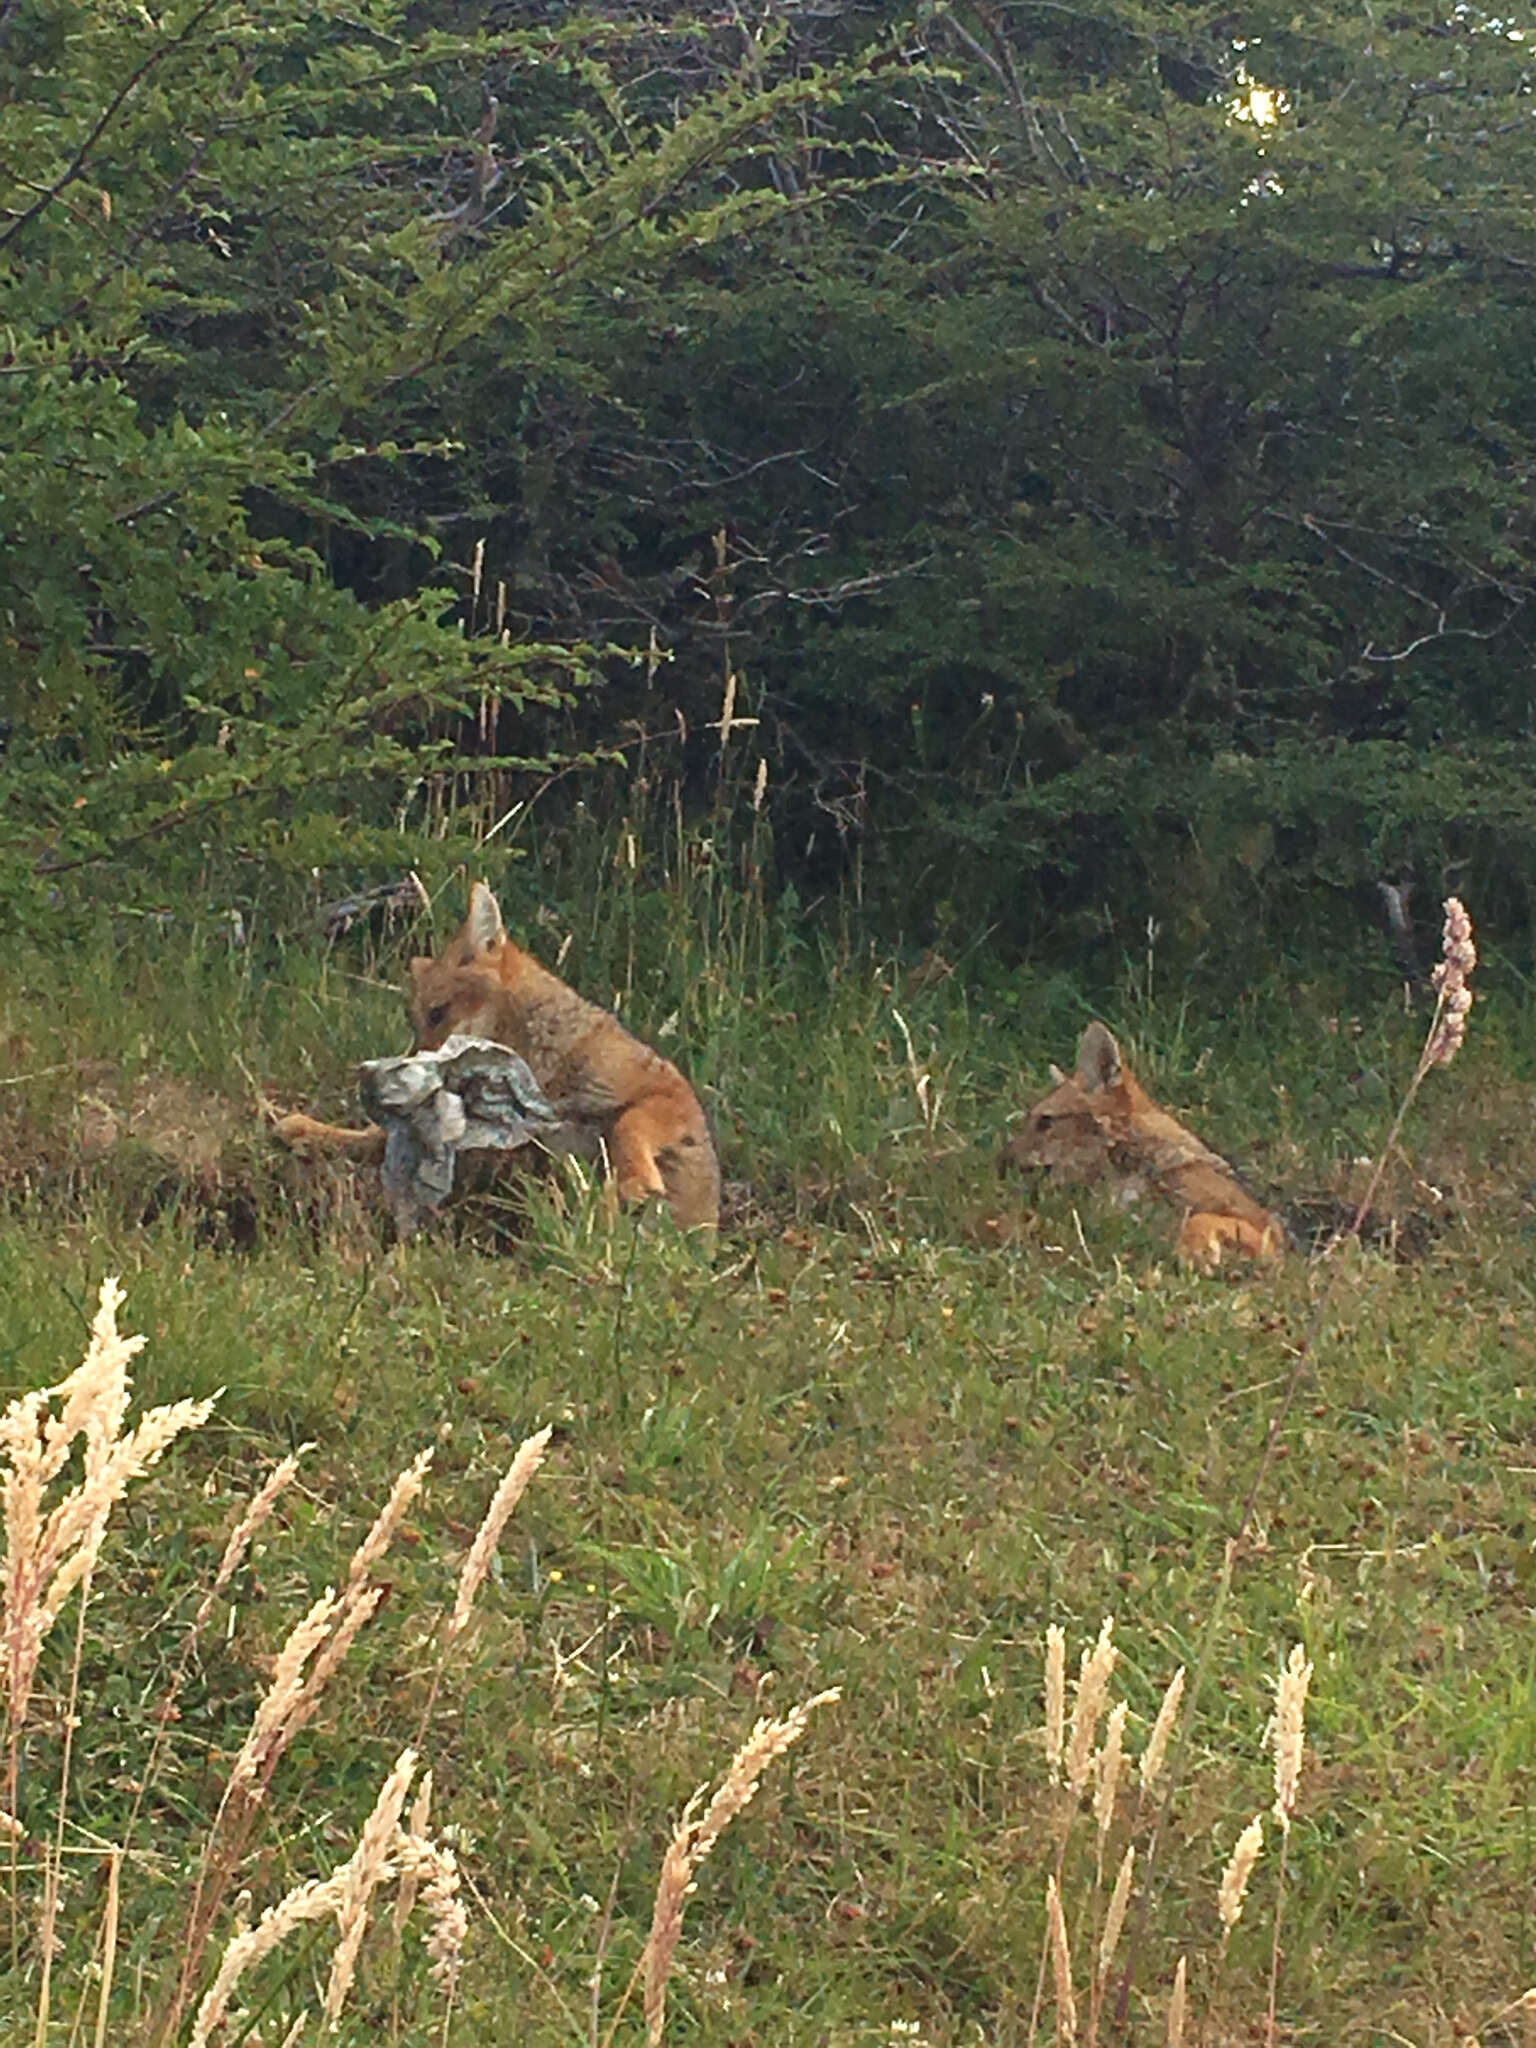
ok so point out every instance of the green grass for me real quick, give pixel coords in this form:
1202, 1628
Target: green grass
908, 1418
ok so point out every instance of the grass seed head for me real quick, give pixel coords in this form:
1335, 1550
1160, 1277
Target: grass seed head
1061, 1964
1109, 1768
51, 1551
362, 1873
373, 1546
280, 1702
1178, 2004
1156, 1751
1094, 1674
245, 1530
693, 1838
1114, 1919
1290, 1732
529, 1456
1234, 1879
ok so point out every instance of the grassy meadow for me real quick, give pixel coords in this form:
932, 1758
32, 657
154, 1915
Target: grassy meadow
909, 1417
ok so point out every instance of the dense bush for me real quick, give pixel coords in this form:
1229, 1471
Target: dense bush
1097, 448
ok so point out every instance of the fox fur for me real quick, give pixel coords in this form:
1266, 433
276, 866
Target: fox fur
596, 1074
1100, 1124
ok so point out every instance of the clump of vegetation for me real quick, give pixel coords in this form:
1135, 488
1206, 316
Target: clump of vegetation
53, 1548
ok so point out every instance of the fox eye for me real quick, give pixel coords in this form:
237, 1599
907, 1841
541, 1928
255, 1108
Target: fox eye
436, 1015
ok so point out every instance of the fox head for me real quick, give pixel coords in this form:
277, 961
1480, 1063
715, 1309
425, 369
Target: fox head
1077, 1131
458, 991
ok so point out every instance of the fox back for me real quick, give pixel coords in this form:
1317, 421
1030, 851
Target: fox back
1099, 1124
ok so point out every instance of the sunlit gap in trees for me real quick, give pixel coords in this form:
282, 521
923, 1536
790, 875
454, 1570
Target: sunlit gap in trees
1261, 106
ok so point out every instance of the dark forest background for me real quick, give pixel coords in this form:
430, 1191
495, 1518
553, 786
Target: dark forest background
1088, 448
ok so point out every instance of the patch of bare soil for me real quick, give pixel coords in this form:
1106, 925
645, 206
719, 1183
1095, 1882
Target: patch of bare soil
162, 1147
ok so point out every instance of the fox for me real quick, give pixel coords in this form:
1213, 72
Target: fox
1099, 1123
597, 1076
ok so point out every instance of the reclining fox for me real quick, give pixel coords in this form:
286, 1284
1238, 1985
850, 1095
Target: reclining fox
1100, 1123
594, 1072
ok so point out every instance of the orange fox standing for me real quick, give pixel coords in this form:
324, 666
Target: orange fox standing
594, 1072
1100, 1124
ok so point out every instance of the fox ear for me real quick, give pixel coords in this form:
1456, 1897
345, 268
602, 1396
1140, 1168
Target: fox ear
483, 927
1099, 1064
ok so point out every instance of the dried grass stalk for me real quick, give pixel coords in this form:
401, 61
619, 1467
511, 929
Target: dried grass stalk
388, 1520
529, 1456
1178, 2004
384, 1851
48, 1553
1290, 1733
1055, 1698
1114, 1919
362, 1874
1108, 1769
245, 1530
1234, 1879
109, 1930
1094, 1674
1156, 1751
693, 1838
1061, 1964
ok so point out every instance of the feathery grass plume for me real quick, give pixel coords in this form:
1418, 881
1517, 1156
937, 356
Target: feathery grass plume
1094, 1674
363, 1872
276, 1708
416, 1829
447, 1921
383, 1852
1108, 1767
1290, 1732
1055, 1698
1114, 1919
693, 1838
353, 1614
1178, 2004
330, 1628
315, 1899
49, 1553
241, 1536
1453, 997
1061, 1964
1156, 1751
1234, 1879
386, 1522
529, 1456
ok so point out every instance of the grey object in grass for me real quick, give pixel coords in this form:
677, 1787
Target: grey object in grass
470, 1095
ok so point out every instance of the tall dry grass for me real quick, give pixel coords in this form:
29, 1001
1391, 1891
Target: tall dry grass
69, 1456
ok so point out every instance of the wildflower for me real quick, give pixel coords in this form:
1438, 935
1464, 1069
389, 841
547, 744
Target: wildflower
1454, 998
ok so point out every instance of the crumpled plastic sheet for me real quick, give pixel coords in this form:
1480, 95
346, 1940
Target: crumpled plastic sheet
468, 1096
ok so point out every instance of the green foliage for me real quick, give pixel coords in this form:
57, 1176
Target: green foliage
1098, 447
243, 249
